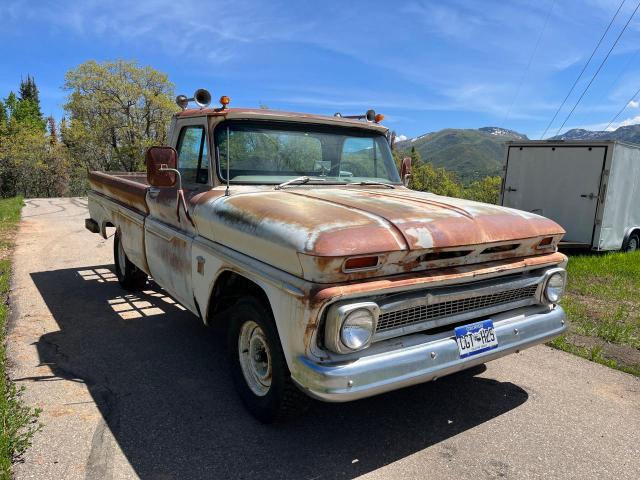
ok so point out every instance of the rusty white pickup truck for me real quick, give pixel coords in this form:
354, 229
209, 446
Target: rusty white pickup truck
297, 235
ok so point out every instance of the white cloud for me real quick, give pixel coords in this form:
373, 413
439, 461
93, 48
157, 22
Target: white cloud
629, 121
401, 138
633, 104
178, 28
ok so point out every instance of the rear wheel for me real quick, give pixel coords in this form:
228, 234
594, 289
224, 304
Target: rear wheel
633, 242
258, 366
129, 276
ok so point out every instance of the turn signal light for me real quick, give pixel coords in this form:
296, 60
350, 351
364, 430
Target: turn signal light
224, 101
545, 242
379, 117
360, 263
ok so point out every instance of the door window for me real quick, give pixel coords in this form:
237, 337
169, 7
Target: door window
193, 161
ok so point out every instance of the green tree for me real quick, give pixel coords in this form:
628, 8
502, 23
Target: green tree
52, 130
426, 178
3, 118
486, 190
25, 109
29, 90
116, 109
416, 158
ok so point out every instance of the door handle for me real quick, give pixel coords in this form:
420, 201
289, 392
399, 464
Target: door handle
591, 196
511, 189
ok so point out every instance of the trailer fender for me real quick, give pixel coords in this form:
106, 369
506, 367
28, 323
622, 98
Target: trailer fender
627, 234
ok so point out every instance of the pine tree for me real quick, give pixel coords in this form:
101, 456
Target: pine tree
29, 90
11, 103
25, 109
416, 159
53, 130
64, 131
3, 118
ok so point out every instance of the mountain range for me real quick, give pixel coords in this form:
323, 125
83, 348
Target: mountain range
476, 153
471, 153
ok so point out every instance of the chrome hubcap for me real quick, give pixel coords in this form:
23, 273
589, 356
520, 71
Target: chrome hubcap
255, 358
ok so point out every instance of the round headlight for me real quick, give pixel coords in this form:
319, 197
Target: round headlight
357, 329
554, 288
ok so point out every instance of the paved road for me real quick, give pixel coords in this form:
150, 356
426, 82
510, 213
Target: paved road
133, 386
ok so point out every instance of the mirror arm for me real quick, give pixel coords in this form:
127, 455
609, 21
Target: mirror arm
164, 168
180, 193
406, 179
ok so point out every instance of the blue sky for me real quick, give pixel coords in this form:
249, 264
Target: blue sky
426, 65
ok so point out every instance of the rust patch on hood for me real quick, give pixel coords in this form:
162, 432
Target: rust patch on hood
429, 221
323, 225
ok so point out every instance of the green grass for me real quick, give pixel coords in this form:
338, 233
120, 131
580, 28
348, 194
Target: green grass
603, 303
19, 422
595, 354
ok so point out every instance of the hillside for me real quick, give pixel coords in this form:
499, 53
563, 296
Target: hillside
630, 134
472, 154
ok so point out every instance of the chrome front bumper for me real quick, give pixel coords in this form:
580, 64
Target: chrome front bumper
383, 372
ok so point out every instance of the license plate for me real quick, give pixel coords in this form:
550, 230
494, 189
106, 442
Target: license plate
476, 338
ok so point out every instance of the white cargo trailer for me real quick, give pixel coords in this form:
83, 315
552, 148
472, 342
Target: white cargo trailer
590, 188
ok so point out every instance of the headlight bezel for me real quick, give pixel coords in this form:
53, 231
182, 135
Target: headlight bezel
336, 318
546, 296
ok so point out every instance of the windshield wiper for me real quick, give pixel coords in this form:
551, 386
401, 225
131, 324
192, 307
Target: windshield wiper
298, 181
388, 185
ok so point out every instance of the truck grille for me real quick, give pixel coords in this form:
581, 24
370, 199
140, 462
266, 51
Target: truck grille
423, 313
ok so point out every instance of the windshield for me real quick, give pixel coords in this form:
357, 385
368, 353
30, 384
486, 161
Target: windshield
267, 153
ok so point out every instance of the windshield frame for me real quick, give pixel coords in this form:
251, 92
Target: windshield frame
352, 131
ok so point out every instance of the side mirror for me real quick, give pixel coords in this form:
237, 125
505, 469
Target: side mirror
405, 171
159, 160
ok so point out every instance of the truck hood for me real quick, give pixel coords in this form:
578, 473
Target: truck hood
320, 224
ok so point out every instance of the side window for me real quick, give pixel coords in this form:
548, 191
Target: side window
192, 155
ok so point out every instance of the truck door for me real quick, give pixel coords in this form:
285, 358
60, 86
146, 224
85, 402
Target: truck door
559, 182
169, 232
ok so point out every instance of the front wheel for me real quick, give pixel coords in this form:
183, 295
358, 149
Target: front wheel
258, 366
129, 276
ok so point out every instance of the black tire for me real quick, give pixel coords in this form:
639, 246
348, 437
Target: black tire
129, 276
281, 399
633, 243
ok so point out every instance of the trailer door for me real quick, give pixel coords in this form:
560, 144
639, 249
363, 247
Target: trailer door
561, 183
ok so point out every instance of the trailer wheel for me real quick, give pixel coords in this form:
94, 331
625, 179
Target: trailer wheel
633, 243
129, 276
258, 366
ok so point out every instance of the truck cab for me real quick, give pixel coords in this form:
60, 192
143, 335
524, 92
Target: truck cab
296, 235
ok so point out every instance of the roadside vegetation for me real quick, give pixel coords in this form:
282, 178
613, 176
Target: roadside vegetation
603, 307
113, 112
425, 177
19, 422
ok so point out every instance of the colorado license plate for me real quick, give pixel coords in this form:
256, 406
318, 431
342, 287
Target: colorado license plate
476, 338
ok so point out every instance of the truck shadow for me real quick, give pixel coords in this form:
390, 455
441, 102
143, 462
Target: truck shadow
160, 381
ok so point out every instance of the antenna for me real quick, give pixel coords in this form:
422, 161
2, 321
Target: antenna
228, 163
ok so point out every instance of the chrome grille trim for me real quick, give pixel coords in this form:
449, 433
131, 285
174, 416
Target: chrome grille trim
422, 313
412, 312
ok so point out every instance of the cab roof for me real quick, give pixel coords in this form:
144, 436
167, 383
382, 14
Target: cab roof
264, 114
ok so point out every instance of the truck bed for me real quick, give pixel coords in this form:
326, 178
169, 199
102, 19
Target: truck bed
127, 188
